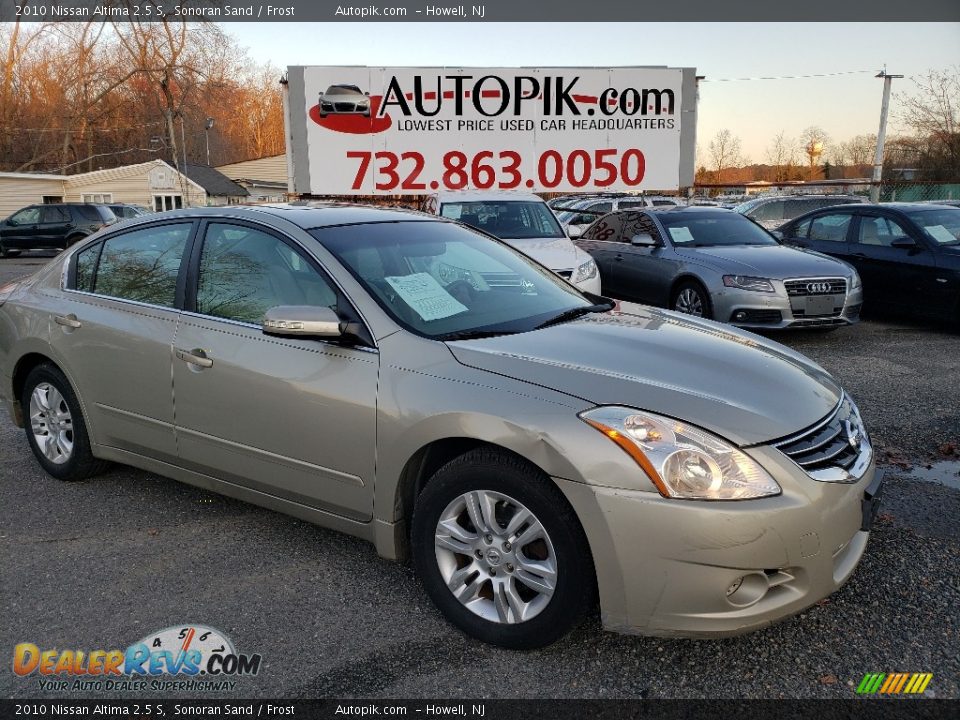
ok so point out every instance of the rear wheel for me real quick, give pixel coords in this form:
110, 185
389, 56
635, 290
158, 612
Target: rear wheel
55, 427
691, 298
500, 551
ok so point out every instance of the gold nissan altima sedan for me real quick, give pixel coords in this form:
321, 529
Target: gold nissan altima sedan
416, 383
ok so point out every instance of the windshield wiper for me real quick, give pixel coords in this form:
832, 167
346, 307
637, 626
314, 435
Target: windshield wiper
574, 313
471, 334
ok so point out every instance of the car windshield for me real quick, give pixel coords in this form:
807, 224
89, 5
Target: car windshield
342, 90
506, 219
712, 229
444, 281
942, 225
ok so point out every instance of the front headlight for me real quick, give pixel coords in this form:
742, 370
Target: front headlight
681, 460
855, 282
745, 282
586, 271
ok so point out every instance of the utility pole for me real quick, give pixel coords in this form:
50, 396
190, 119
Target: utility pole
207, 127
881, 135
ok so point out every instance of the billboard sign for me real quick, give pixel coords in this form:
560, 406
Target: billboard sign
360, 130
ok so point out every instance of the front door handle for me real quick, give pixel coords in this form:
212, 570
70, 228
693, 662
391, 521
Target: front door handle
69, 321
618, 258
195, 357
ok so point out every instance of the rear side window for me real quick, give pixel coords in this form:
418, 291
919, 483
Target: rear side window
54, 214
142, 265
831, 228
86, 264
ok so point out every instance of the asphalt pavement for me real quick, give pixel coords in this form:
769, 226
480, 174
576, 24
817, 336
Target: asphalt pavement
102, 563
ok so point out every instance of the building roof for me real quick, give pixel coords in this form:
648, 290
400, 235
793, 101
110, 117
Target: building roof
213, 181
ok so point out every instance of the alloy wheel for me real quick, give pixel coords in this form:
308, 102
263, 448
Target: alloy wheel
51, 423
689, 301
495, 557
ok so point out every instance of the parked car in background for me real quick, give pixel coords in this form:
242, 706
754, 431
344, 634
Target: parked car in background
908, 254
951, 203
528, 447
123, 211
772, 212
523, 220
51, 227
717, 264
575, 216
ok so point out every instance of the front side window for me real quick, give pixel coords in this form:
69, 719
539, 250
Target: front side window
443, 281
142, 265
879, 231
830, 228
28, 216
244, 272
512, 219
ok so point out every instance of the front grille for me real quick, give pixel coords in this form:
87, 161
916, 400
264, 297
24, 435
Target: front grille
828, 444
345, 107
801, 314
816, 286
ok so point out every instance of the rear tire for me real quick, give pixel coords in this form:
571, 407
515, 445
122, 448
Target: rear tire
55, 426
526, 577
691, 298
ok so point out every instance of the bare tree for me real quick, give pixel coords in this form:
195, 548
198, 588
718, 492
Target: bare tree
724, 152
932, 113
782, 155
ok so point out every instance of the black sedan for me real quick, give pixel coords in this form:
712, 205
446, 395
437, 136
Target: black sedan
907, 254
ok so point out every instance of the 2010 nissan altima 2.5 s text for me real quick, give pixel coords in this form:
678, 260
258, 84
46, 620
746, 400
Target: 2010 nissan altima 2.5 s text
407, 380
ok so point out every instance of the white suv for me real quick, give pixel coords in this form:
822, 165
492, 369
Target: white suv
524, 221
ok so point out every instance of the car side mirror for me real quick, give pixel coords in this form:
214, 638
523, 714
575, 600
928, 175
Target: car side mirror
574, 231
302, 321
643, 240
903, 243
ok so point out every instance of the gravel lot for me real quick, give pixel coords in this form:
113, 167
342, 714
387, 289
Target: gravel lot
99, 564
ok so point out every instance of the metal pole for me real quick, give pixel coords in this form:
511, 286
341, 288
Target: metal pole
206, 132
881, 136
183, 141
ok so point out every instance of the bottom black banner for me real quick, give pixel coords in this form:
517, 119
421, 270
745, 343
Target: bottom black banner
865, 709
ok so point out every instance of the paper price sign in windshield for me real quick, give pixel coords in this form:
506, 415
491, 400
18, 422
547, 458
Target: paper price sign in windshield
425, 296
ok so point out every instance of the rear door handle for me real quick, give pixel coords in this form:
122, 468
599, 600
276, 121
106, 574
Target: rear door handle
69, 321
195, 357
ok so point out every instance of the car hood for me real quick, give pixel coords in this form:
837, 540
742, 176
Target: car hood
555, 253
736, 384
769, 261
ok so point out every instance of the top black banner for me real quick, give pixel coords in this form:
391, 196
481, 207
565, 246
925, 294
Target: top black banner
479, 11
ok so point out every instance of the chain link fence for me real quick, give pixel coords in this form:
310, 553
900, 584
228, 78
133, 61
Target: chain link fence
890, 191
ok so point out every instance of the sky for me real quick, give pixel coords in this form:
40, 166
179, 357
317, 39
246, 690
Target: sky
844, 103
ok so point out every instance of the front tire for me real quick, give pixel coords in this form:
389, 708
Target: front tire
500, 551
691, 298
55, 427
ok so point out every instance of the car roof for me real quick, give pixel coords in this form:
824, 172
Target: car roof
486, 196
315, 215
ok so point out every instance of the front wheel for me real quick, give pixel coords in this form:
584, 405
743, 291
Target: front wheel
691, 298
55, 427
501, 552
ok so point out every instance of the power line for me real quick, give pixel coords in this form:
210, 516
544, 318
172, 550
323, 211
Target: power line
789, 77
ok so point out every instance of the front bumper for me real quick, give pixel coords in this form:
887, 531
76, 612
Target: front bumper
711, 569
777, 310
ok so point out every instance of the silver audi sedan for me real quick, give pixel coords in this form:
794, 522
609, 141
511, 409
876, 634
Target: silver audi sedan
407, 380
713, 263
